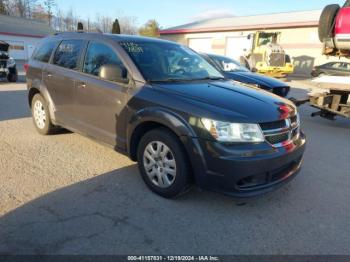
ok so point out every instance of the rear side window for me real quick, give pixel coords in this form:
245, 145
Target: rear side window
98, 55
67, 54
336, 65
44, 51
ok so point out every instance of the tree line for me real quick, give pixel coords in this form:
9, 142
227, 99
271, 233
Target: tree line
59, 20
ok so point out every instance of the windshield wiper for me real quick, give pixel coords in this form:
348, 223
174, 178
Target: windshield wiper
170, 80
174, 80
212, 78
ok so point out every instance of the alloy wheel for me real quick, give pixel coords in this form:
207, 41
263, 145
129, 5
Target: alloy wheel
39, 114
160, 164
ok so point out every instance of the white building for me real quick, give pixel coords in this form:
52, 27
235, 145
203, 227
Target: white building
228, 36
22, 35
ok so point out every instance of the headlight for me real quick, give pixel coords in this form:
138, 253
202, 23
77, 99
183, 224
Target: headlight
11, 62
234, 132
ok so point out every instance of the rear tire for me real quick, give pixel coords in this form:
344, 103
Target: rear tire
163, 163
326, 24
41, 116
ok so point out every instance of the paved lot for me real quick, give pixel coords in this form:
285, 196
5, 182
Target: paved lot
66, 194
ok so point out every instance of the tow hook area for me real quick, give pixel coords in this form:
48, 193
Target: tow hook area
299, 102
324, 114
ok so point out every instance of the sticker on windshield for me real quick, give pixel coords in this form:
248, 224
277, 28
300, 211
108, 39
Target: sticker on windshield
131, 47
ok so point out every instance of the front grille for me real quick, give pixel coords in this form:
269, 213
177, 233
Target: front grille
277, 139
3, 63
277, 59
273, 125
282, 131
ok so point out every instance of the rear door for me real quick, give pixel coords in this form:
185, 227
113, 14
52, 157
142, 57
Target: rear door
39, 62
59, 78
334, 69
99, 102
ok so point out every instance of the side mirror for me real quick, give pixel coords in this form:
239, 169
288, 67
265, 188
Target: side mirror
114, 73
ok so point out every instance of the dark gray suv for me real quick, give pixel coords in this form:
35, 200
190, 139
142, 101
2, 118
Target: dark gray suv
167, 108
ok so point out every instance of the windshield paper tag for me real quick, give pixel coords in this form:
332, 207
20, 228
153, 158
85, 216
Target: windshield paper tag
132, 47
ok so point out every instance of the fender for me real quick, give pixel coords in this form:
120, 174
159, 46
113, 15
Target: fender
162, 116
180, 127
36, 84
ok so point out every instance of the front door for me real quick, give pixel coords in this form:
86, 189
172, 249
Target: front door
99, 103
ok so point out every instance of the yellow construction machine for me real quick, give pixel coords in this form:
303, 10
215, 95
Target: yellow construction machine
266, 56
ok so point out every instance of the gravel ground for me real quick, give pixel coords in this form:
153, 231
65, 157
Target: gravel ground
66, 194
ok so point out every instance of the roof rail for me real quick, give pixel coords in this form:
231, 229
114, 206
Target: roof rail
80, 29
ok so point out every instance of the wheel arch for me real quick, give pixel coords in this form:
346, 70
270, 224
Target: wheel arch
40, 89
152, 118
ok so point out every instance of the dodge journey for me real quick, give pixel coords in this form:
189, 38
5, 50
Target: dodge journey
167, 108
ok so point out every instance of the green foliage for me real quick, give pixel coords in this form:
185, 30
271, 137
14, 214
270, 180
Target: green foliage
116, 27
150, 29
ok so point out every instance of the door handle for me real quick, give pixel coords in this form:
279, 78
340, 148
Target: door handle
49, 75
82, 85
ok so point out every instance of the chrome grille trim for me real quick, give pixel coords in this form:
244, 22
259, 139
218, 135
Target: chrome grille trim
292, 128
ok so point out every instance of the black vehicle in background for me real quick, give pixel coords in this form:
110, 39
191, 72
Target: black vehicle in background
332, 69
232, 69
8, 68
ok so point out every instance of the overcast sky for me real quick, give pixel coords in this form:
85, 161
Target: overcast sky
175, 12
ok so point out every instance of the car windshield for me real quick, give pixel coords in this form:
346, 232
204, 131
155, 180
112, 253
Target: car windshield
228, 65
167, 62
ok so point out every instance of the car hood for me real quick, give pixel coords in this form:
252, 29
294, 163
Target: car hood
4, 47
232, 101
255, 79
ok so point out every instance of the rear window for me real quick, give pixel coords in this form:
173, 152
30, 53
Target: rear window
44, 51
67, 54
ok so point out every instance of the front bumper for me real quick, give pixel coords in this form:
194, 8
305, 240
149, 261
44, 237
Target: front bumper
246, 170
4, 72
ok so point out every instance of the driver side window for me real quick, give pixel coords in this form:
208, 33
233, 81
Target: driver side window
98, 55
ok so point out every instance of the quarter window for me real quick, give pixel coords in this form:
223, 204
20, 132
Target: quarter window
44, 51
67, 54
97, 56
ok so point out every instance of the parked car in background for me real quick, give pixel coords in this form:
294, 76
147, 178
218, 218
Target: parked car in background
8, 69
232, 69
332, 69
167, 108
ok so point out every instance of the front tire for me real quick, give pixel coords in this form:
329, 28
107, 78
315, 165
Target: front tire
41, 116
12, 78
163, 163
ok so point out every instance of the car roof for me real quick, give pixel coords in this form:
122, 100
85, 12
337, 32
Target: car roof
223, 57
115, 37
334, 62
